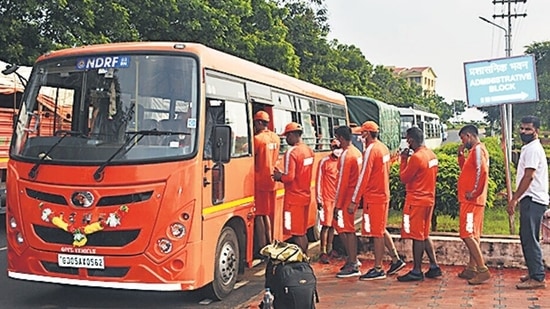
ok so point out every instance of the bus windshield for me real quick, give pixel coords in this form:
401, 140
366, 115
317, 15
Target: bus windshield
84, 109
407, 121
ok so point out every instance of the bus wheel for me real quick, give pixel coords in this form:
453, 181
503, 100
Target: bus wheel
226, 265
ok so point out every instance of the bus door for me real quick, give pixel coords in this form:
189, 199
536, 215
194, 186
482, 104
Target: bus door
228, 184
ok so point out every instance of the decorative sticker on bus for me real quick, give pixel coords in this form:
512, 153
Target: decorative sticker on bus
102, 62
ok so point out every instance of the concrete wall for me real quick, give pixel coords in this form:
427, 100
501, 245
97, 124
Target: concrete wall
450, 250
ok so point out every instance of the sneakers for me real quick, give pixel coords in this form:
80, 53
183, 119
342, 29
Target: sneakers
433, 273
333, 254
467, 273
480, 277
531, 284
395, 267
357, 264
373, 274
524, 278
324, 258
348, 271
410, 276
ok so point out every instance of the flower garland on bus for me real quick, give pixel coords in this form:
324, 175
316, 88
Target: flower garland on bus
80, 232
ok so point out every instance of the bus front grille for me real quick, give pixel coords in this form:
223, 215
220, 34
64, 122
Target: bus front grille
119, 238
112, 272
54, 268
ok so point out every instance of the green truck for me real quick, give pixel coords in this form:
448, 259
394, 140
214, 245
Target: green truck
361, 109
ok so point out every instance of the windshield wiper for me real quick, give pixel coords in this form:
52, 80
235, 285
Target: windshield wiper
98, 175
46, 155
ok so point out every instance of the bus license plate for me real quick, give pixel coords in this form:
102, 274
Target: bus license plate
80, 261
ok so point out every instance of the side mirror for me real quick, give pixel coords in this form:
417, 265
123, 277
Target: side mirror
221, 145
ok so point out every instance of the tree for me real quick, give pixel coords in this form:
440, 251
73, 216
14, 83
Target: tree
541, 52
29, 28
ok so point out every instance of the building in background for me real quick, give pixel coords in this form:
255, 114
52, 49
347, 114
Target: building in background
425, 77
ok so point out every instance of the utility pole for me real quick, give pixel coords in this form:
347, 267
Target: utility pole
508, 50
509, 16
506, 109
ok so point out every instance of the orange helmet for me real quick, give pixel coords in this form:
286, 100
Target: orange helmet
369, 126
261, 115
291, 127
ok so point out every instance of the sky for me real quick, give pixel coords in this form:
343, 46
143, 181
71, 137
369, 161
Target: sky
442, 34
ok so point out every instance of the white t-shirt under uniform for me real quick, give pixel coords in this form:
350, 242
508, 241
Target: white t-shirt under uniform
533, 156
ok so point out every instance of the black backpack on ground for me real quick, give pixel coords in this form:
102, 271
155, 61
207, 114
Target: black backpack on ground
293, 285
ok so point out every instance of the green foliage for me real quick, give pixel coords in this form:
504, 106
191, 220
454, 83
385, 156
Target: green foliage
496, 159
446, 200
397, 188
289, 36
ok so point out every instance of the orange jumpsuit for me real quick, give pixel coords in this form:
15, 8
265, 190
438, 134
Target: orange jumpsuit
325, 187
298, 169
374, 186
474, 171
419, 174
266, 153
348, 166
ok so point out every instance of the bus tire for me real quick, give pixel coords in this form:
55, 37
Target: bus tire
226, 267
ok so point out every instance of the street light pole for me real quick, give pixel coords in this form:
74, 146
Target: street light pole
508, 48
506, 123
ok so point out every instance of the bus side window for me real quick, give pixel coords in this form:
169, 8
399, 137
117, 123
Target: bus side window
214, 115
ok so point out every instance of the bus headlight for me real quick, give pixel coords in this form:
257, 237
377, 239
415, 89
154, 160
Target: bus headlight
13, 223
177, 230
19, 238
164, 245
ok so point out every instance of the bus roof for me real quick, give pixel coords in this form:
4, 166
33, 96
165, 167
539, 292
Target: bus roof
409, 111
212, 59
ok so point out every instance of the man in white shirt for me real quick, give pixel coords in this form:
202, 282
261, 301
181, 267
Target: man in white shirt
532, 195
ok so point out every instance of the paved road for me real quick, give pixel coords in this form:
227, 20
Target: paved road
25, 294
452, 137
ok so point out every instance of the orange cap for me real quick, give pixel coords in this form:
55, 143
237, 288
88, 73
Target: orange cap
356, 130
369, 126
261, 115
291, 127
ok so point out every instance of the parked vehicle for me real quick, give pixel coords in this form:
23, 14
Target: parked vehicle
144, 179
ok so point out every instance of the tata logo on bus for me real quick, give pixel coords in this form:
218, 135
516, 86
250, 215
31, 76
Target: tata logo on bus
82, 199
103, 62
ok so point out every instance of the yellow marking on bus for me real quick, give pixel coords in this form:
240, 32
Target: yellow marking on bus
224, 206
238, 202
2, 160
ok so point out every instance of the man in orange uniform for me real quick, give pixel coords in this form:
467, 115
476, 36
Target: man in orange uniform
266, 153
419, 174
348, 166
325, 186
296, 177
472, 196
373, 186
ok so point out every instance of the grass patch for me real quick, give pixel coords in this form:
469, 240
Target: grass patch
495, 221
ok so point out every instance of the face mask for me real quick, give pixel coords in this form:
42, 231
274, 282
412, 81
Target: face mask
337, 152
527, 138
468, 145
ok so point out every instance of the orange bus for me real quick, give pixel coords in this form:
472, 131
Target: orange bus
148, 183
